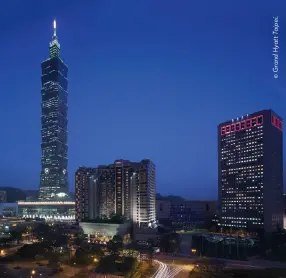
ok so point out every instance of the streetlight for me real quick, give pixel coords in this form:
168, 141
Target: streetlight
33, 272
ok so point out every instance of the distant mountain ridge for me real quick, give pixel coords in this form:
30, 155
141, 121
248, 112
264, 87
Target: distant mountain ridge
14, 194
171, 198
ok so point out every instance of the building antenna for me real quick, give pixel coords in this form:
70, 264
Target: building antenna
55, 28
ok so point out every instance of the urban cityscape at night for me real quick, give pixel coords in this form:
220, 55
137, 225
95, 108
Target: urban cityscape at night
144, 139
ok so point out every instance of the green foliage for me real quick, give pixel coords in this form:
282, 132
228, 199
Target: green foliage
96, 250
54, 236
209, 266
79, 240
273, 246
82, 257
170, 242
117, 265
115, 245
42, 231
113, 219
14, 194
16, 234
29, 251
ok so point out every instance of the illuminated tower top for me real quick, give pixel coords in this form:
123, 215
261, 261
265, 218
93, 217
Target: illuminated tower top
54, 44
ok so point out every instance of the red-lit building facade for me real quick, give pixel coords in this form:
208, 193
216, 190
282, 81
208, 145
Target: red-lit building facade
250, 172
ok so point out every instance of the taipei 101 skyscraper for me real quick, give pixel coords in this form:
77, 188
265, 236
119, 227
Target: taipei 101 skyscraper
54, 160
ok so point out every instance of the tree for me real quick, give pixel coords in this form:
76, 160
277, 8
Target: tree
209, 266
60, 240
170, 242
42, 231
82, 257
115, 245
31, 250
107, 265
78, 241
117, 238
16, 234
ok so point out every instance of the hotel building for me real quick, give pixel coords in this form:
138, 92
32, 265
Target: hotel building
124, 188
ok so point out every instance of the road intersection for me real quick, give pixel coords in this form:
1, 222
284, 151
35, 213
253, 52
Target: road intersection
166, 270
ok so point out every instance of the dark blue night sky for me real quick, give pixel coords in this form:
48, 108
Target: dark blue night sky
147, 79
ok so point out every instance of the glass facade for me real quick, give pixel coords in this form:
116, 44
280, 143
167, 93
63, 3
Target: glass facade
251, 172
54, 176
50, 210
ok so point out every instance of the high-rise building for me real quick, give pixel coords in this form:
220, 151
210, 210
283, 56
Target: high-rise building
54, 176
107, 189
82, 188
143, 194
250, 172
53, 203
101, 193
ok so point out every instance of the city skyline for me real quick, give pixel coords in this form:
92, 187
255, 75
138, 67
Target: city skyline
159, 64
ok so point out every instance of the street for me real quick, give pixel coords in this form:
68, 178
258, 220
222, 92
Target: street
258, 264
166, 271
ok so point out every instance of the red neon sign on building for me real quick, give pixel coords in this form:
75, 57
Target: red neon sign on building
244, 124
249, 123
276, 122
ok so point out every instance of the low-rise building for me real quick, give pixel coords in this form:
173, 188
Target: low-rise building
192, 214
8, 224
146, 235
105, 231
49, 210
163, 209
3, 196
8, 209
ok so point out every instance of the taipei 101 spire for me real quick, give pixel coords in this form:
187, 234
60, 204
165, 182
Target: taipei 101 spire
54, 159
54, 44
55, 28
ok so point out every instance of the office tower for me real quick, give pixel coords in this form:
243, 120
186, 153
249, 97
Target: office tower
250, 172
54, 176
143, 194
